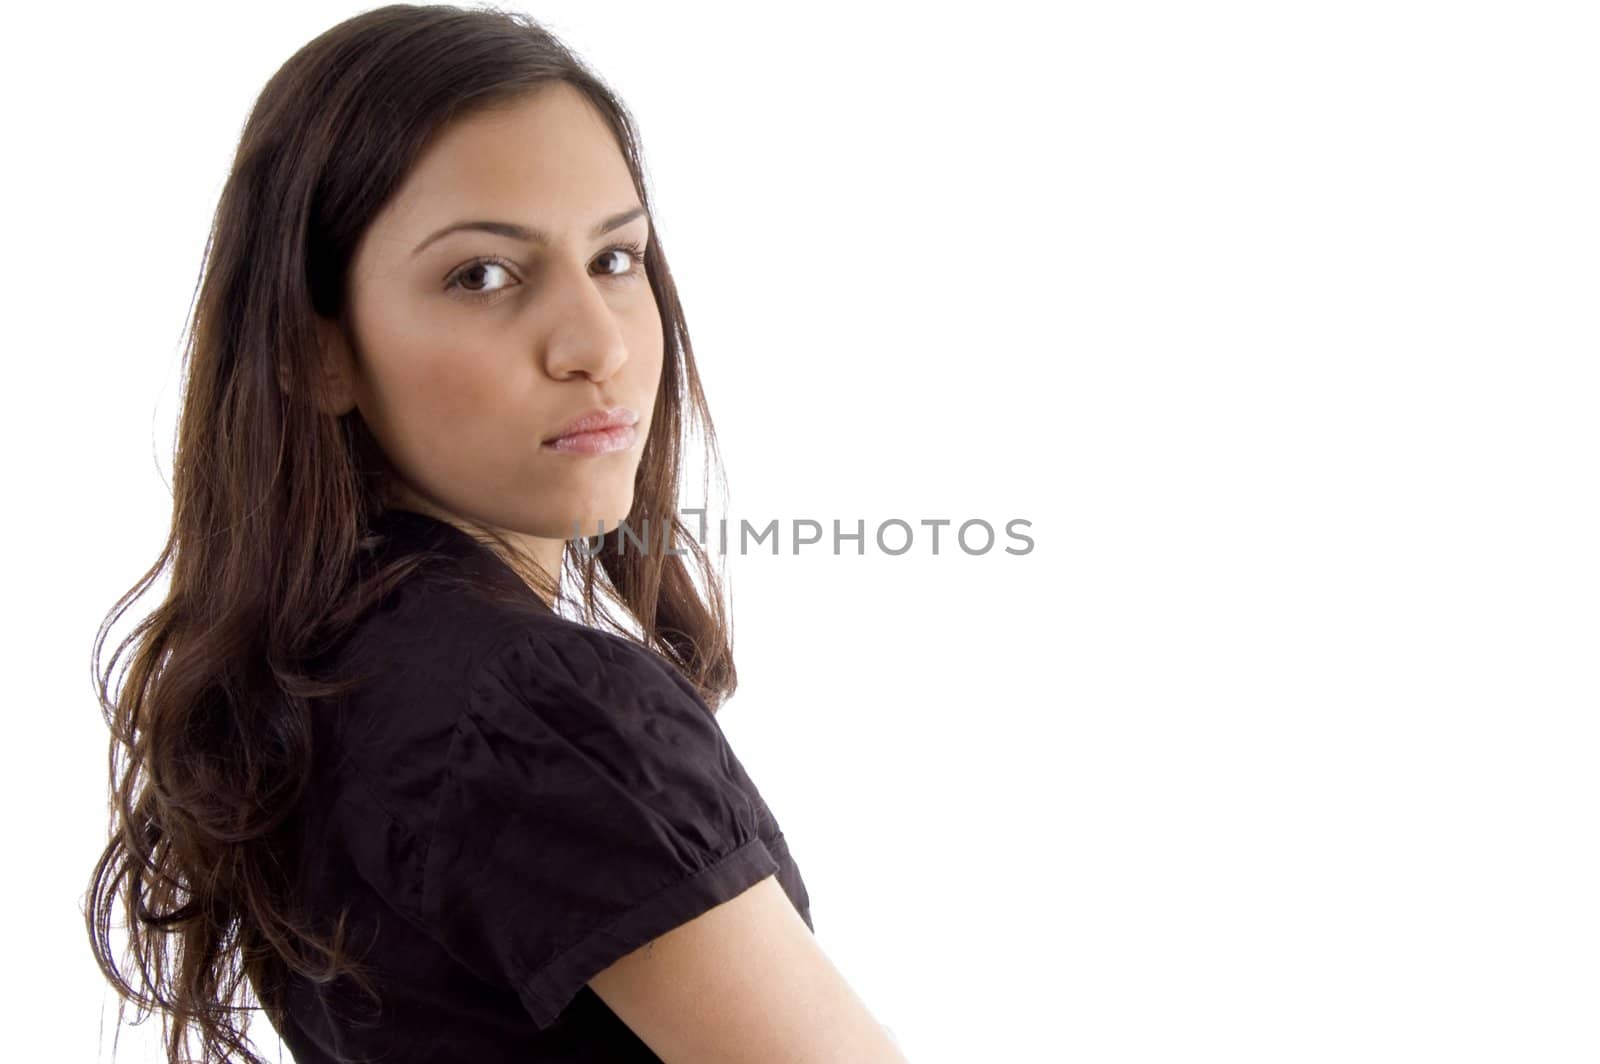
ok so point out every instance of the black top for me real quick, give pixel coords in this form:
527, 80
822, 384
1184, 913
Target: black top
511, 803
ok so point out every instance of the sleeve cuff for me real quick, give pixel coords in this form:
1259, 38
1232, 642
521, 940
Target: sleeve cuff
547, 990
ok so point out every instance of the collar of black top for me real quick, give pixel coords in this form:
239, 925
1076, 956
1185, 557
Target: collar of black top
411, 530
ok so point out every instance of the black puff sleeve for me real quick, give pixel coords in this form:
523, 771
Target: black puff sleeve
590, 804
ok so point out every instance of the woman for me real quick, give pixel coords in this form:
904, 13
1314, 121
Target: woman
360, 758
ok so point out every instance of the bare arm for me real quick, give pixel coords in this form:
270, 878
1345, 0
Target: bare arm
744, 983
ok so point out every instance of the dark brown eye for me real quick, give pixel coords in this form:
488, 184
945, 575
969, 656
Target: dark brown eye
472, 275
635, 252
476, 273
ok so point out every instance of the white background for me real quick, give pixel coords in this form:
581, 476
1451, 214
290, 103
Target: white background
1277, 321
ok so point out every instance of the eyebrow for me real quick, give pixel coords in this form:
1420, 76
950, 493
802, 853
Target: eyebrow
530, 235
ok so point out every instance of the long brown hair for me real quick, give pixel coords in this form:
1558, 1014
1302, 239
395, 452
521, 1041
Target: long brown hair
273, 499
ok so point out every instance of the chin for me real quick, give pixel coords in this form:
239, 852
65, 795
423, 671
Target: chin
585, 521
583, 526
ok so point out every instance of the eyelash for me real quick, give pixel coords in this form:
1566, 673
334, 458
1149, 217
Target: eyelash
452, 283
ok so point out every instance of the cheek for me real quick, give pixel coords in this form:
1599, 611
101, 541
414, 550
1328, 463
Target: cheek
455, 387
444, 405
424, 381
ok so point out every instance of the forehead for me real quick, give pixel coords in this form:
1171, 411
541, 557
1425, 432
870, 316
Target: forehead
549, 160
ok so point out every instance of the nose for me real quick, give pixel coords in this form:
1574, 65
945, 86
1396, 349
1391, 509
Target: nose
586, 338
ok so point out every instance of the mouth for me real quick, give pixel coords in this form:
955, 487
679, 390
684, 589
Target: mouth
602, 431
597, 441
603, 419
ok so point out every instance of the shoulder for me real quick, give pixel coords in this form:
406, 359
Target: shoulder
446, 676
563, 695
557, 663
410, 666
432, 636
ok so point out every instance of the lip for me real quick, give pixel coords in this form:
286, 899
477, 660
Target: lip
603, 441
599, 419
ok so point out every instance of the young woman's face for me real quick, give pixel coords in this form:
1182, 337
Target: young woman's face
473, 348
